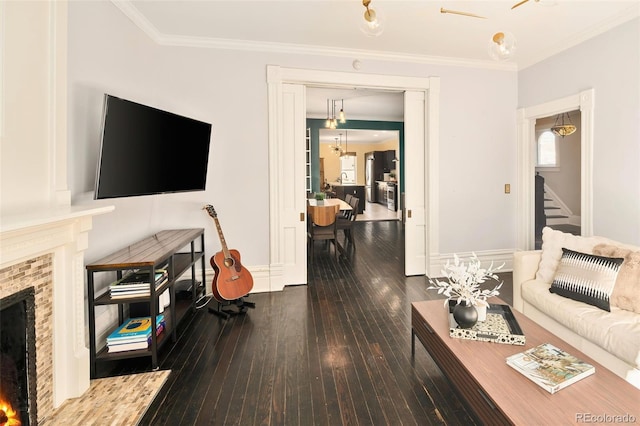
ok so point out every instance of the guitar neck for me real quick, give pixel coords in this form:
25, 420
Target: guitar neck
225, 250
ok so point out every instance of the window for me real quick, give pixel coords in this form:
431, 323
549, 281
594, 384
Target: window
547, 150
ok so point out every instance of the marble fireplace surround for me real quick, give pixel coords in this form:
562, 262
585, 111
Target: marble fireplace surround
54, 241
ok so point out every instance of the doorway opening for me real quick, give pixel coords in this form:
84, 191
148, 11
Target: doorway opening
287, 127
558, 170
367, 166
584, 103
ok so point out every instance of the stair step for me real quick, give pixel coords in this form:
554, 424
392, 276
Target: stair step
551, 208
556, 216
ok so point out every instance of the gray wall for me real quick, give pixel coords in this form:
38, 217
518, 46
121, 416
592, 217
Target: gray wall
610, 64
108, 53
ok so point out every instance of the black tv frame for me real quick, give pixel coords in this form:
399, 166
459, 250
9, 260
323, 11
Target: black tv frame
146, 151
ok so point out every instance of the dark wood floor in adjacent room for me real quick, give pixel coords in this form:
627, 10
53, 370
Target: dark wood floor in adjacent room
335, 351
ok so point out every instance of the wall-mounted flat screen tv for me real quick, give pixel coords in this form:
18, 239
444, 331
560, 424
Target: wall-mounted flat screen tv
145, 150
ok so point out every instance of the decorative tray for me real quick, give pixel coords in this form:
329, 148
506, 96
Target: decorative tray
500, 326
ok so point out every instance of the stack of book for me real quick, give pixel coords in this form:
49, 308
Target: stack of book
137, 284
134, 334
549, 367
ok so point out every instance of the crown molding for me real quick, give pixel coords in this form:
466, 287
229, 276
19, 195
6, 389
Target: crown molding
131, 12
301, 49
138, 19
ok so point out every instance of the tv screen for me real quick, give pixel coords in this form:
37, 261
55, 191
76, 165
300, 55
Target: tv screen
146, 151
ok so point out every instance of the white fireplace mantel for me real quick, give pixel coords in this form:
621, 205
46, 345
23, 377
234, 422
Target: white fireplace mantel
62, 232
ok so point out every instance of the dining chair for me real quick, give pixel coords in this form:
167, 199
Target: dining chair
346, 224
347, 213
322, 226
347, 198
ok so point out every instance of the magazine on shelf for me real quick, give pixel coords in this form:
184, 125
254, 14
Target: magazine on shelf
119, 341
121, 290
132, 293
550, 367
131, 345
139, 278
135, 327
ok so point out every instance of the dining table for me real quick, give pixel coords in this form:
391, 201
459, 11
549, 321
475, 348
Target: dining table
342, 205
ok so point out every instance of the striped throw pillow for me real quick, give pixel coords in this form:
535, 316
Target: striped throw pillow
586, 278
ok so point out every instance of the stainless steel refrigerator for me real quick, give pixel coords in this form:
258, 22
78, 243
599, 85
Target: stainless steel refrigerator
374, 170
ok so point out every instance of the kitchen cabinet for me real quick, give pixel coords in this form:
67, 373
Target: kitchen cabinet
389, 156
381, 193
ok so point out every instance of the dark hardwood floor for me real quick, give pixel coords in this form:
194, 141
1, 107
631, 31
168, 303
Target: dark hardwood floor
335, 351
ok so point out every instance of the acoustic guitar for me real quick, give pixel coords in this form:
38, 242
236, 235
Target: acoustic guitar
231, 280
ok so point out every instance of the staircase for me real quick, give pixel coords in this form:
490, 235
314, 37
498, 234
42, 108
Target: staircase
556, 212
558, 215
552, 212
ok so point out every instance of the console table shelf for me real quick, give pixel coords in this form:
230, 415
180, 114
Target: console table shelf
161, 250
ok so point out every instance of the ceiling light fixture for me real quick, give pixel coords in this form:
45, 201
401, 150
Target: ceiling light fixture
542, 2
346, 152
332, 121
337, 148
561, 128
373, 23
455, 12
502, 46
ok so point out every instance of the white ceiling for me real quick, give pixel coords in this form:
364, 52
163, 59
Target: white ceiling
415, 31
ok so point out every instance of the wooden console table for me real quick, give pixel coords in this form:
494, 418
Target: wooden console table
498, 394
160, 249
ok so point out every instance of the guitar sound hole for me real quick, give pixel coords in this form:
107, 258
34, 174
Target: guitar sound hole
228, 262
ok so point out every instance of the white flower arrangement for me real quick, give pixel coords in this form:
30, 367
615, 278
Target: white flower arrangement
463, 281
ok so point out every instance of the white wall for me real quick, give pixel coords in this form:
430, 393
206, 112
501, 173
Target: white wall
228, 88
609, 63
32, 106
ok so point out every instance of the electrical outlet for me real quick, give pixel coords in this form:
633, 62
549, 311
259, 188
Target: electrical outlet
507, 188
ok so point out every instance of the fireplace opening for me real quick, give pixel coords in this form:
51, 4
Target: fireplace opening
18, 359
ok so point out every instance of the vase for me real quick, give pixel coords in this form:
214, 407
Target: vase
481, 308
465, 315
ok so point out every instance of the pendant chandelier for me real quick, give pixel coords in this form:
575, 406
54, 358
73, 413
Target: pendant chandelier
345, 152
561, 128
337, 147
332, 120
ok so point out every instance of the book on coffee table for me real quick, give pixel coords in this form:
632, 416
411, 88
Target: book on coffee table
550, 367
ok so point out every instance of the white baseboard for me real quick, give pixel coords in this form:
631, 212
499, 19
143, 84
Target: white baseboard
263, 278
498, 257
268, 279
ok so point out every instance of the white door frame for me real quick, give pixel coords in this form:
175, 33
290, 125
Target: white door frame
276, 77
585, 102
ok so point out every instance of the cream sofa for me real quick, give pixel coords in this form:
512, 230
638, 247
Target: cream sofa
610, 338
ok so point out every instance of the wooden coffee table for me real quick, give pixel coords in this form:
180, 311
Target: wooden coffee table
500, 395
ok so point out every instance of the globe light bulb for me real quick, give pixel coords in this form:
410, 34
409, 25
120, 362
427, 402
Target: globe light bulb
373, 23
502, 46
